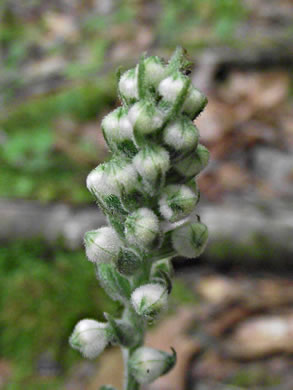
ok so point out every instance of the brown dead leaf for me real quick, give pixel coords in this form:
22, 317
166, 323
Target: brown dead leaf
216, 120
232, 177
110, 370
5, 372
261, 336
256, 91
218, 289
61, 26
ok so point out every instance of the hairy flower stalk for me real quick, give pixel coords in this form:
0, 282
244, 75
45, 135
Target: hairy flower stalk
149, 194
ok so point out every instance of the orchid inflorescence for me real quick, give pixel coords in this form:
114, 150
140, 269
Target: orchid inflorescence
148, 192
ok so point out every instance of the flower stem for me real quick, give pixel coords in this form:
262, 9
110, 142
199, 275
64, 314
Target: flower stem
129, 382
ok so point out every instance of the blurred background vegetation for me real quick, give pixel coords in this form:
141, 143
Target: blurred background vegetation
57, 80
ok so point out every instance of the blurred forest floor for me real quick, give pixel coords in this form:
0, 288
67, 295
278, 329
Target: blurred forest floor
57, 81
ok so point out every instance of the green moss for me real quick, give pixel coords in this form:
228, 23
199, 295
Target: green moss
254, 376
32, 166
182, 294
42, 296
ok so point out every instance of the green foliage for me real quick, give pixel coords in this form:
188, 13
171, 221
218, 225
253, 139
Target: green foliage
41, 297
33, 168
182, 294
218, 18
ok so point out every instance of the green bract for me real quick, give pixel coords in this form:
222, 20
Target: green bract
149, 194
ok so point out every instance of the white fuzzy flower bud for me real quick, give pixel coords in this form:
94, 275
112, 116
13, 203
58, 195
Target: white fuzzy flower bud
147, 364
181, 135
190, 240
128, 86
194, 102
177, 201
155, 71
145, 117
102, 245
149, 300
170, 87
152, 163
112, 178
118, 130
193, 163
89, 337
142, 227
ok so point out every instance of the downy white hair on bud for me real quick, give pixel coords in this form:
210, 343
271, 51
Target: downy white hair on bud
177, 201
155, 70
111, 178
147, 364
117, 127
181, 134
128, 86
102, 245
142, 227
194, 102
170, 87
193, 163
149, 300
89, 337
190, 240
145, 117
152, 163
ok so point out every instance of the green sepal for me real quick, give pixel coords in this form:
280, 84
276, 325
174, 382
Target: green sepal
128, 261
113, 205
116, 285
179, 61
171, 361
162, 272
127, 147
122, 332
107, 387
117, 222
140, 78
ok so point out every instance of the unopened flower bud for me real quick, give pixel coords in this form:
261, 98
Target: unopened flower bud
142, 227
190, 240
177, 201
102, 245
129, 261
194, 102
181, 135
145, 117
155, 70
147, 364
152, 163
90, 337
193, 163
170, 87
118, 131
112, 178
128, 85
149, 300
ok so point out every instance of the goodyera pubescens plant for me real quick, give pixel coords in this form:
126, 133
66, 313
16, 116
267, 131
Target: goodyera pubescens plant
148, 192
